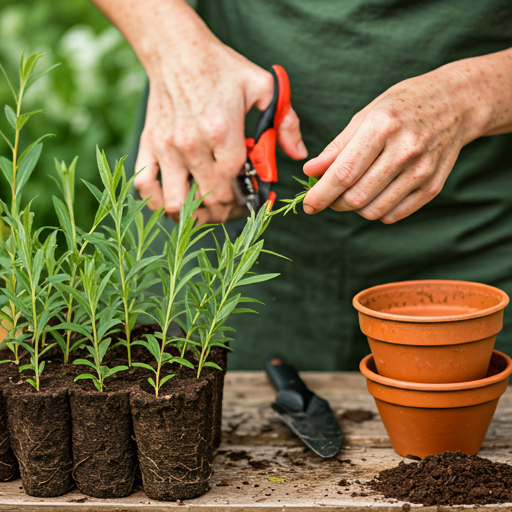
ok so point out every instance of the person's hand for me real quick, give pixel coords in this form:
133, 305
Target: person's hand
199, 96
396, 154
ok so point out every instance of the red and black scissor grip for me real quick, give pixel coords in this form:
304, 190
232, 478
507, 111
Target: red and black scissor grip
261, 149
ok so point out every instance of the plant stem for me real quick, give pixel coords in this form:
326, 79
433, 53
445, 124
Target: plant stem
120, 257
174, 277
35, 338
198, 312
205, 350
97, 351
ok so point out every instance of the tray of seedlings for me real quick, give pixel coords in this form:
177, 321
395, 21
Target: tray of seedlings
114, 356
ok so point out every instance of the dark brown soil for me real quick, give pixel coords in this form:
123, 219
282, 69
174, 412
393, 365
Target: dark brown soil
447, 479
102, 439
218, 356
8, 463
39, 429
260, 464
239, 455
357, 415
173, 435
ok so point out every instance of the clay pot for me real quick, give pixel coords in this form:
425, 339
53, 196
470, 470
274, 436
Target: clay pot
425, 419
431, 331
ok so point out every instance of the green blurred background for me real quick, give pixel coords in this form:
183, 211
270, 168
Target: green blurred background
92, 98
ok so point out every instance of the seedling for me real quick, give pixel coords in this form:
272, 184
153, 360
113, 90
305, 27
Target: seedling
122, 250
101, 319
34, 299
177, 253
95, 291
16, 171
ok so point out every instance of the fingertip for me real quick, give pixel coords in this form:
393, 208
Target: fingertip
302, 151
308, 209
315, 167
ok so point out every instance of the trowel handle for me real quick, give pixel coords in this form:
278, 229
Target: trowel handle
284, 376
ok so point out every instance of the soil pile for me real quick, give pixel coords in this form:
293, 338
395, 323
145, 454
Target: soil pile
447, 479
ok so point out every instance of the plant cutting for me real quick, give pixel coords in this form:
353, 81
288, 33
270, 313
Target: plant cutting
431, 331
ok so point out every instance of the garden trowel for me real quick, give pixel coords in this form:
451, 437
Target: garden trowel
307, 414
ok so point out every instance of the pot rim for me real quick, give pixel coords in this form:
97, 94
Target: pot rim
424, 386
430, 319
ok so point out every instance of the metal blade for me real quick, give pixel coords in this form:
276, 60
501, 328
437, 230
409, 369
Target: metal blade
317, 426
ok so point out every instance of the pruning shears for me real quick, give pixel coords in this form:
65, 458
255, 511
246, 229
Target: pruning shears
254, 185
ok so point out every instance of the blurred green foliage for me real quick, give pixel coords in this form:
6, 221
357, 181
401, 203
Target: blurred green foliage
91, 98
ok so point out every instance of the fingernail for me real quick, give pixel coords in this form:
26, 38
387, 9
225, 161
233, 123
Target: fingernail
301, 148
308, 209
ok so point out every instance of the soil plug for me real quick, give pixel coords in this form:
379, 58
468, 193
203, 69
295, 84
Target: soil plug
39, 428
173, 435
103, 449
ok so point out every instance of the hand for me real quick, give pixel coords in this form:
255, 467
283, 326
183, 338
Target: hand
199, 96
396, 154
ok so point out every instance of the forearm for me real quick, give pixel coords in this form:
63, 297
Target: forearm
486, 83
156, 28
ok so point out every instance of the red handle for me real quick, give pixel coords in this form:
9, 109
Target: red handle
261, 149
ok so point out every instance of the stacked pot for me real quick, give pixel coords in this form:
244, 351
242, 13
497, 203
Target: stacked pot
433, 372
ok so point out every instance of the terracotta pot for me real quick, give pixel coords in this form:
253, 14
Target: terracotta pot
425, 419
431, 331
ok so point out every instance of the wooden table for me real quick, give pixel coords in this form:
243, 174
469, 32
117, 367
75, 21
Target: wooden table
261, 466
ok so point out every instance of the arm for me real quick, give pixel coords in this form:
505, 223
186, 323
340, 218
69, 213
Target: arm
200, 92
396, 154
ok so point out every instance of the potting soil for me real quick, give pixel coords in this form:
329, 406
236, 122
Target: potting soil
447, 479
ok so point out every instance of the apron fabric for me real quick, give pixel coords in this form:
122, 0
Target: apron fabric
339, 56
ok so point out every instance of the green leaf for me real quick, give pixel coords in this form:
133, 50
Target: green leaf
6, 166
65, 222
114, 370
182, 362
152, 382
85, 362
75, 328
38, 75
27, 166
9, 83
23, 118
102, 349
32, 383
27, 67
212, 365
10, 115
244, 310
166, 378
256, 279
249, 299
312, 181
29, 147
143, 365
86, 376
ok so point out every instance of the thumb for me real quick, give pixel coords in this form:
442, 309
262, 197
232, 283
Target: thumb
290, 138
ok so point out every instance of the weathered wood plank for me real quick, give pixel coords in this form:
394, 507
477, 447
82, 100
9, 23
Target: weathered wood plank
257, 449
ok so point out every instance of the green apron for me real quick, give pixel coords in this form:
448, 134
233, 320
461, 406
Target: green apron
340, 55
